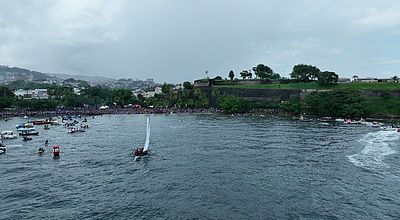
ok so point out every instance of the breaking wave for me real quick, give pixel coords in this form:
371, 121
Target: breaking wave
375, 150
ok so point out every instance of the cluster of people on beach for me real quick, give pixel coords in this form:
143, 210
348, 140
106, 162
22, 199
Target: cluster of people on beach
155, 110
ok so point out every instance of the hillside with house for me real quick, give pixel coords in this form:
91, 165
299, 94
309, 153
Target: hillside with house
16, 78
11, 74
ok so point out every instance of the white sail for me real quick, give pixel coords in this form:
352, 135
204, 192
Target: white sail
146, 144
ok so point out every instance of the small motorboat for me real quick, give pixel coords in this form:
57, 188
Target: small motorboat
3, 150
41, 122
28, 133
304, 119
376, 124
41, 150
74, 130
26, 129
22, 126
349, 121
8, 135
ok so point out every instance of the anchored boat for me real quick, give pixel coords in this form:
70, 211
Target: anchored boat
8, 135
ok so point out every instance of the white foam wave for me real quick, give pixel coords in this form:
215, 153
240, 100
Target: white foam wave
375, 150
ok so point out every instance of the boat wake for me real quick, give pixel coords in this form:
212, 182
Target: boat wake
375, 150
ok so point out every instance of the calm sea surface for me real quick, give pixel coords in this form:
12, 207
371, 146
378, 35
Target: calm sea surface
203, 166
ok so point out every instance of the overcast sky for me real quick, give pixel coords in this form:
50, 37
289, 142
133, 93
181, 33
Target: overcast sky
177, 40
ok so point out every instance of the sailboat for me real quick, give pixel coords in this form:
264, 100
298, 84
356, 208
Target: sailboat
138, 152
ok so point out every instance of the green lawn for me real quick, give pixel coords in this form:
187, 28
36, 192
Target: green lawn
355, 86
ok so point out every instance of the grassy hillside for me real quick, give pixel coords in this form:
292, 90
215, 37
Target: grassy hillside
355, 86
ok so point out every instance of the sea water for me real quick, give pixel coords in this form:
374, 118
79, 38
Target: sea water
203, 166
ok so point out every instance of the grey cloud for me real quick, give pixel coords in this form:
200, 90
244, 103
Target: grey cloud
178, 40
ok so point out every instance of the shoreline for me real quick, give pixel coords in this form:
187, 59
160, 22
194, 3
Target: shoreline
127, 111
94, 112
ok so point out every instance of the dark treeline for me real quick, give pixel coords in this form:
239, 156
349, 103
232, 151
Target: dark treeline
301, 73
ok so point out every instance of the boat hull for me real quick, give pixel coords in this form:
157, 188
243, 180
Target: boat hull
34, 133
41, 122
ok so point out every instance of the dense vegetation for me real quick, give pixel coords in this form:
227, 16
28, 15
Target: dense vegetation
231, 104
188, 97
93, 97
336, 103
64, 97
346, 103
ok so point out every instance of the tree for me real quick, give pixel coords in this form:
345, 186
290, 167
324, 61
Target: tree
327, 78
166, 88
304, 73
276, 76
337, 103
249, 74
244, 74
231, 74
187, 85
263, 72
122, 97
6, 97
292, 106
231, 104
395, 78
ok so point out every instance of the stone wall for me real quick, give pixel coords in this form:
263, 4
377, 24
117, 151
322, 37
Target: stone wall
276, 95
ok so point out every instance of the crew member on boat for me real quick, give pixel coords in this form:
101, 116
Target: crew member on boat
139, 151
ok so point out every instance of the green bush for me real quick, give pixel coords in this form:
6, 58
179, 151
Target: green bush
231, 104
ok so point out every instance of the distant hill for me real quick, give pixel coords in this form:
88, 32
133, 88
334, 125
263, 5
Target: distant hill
10, 74
16, 77
92, 79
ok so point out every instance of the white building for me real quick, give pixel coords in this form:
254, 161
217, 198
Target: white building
158, 90
77, 91
32, 93
150, 94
